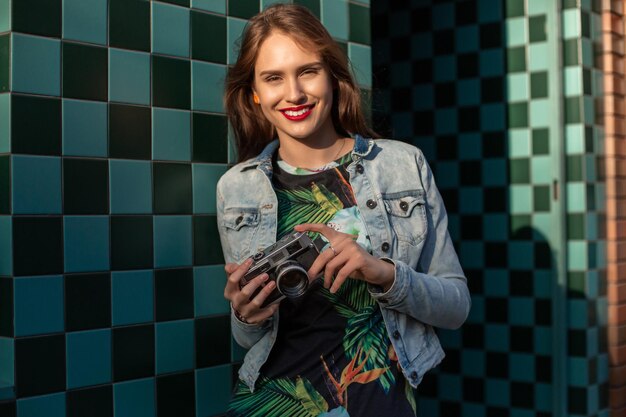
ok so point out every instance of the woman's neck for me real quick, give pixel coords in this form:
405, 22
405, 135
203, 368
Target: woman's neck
313, 152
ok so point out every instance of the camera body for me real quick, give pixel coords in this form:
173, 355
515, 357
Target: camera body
286, 263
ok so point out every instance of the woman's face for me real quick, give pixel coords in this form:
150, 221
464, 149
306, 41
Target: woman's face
295, 90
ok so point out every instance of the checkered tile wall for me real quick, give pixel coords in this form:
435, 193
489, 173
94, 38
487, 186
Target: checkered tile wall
481, 86
112, 138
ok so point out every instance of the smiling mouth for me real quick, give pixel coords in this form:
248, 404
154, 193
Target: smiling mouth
298, 113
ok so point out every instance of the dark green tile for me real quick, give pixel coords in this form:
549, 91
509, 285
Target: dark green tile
179, 2
586, 81
591, 197
173, 293
589, 142
541, 141
40, 365
206, 241
208, 37
244, 9
5, 184
359, 24
171, 82
37, 245
518, 114
5, 54
571, 52
212, 341
87, 301
541, 198
574, 168
130, 130
585, 24
210, 138
537, 28
343, 46
576, 226
129, 24
519, 171
312, 5
6, 307
85, 72
515, 8
40, 17
133, 352
570, 4
35, 125
172, 188
576, 284
539, 84
85, 186
516, 59
131, 242
573, 108
521, 227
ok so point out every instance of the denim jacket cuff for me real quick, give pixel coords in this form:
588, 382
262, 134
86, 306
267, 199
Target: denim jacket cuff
396, 293
249, 327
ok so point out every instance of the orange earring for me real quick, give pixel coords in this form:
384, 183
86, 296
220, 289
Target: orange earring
256, 99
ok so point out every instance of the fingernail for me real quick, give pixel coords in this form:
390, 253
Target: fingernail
270, 284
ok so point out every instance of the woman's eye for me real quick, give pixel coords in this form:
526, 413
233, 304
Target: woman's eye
310, 71
272, 78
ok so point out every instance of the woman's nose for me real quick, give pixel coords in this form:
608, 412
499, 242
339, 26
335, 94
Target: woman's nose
295, 92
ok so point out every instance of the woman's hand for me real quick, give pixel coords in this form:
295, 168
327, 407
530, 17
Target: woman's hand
248, 310
346, 258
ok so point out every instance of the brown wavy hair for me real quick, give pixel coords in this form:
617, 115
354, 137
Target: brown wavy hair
252, 130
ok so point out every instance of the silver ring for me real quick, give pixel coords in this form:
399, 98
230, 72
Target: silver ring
333, 249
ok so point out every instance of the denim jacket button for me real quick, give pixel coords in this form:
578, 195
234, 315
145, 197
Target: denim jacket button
385, 246
238, 219
414, 375
371, 204
359, 168
404, 205
396, 334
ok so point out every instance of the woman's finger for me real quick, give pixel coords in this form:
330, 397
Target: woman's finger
249, 289
262, 314
343, 274
320, 228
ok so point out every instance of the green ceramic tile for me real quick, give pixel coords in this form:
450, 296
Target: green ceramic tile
571, 24
519, 171
313, 5
171, 82
216, 6
135, 398
542, 171
516, 59
130, 130
171, 135
538, 54
209, 282
208, 37
174, 346
42, 136
540, 111
520, 199
39, 17
5, 63
514, 8
569, 4
576, 196
538, 7
361, 59
587, 84
211, 395
36, 65
519, 143
210, 138
5, 184
574, 168
85, 20
520, 226
573, 109
539, 84
6, 256
235, 30
517, 86
178, 2
577, 259
5, 15
243, 9
129, 24
85, 72
585, 24
576, 226
587, 52
518, 114
574, 139
537, 28
130, 186
85, 128
205, 177
335, 18
36, 184
207, 81
5, 123
541, 198
170, 30
589, 109
89, 358
129, 76
516, 33
570, 52
541, 141
573, 81
359, 24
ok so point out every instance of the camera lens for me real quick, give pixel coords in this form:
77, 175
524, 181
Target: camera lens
292, 279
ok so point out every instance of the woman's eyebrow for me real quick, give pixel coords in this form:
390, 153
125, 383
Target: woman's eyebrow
300, 68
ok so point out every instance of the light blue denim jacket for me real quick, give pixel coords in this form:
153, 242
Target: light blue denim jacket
406, 222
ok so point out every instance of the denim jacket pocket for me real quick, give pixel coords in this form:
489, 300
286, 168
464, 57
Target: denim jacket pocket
407, 215
241, 225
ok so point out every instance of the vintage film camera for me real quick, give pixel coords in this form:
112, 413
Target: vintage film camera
286, 262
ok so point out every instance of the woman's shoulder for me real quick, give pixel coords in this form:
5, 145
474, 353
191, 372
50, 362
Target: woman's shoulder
395, 148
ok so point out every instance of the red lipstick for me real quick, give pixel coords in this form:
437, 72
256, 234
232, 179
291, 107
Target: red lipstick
298, 112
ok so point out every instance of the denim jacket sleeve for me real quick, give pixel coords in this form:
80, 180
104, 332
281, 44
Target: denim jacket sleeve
245, 334
435, 292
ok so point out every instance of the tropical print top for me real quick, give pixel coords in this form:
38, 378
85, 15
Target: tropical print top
332, 356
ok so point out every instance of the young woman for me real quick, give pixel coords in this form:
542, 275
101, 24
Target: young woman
361, 337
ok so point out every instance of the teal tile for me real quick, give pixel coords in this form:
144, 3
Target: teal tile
577, 256
516, 34
445, 121
334, 15
207, 82
493, 172
5, 123
520, 199
449, 174
129, 76
52, 405
243, 9
6, 246
131, 186
85, 20
496, 283
442, 16
171, 134
522, 365
578, 372
425, 51
5, 63
216, 6
573, 81
492, 117
213, 390
359, 24
587, 52
468, 92
574, 139
172, 241
542, 170
132, 295
174, 346
88, 358
575, 197
466, 39
134, 398
7, 361
540, 112
85, 128
86, 243
235, 29
170, 30
495, 227
36, 65
472, 254
520, 255
5, 15
491, 62
205, 177
490, 11
209, 282
237, 353
36, 185
538, 54
571, 23
519, 143
361, 59
517, 86
38, 305
444, 68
